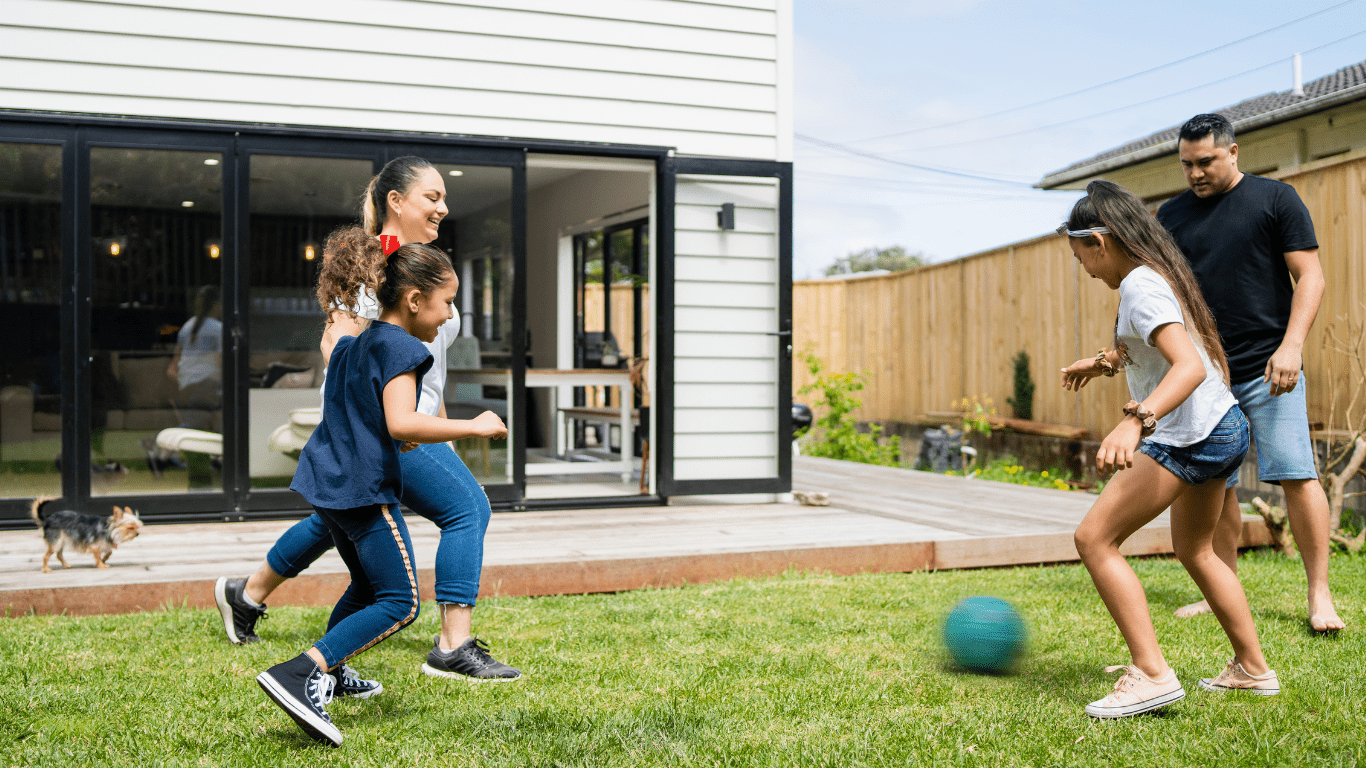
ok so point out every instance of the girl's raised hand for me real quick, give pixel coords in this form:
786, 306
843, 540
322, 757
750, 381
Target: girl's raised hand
487, 424
1117, 450
1079, 374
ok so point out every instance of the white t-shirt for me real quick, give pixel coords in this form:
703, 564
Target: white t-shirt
199, 358
1146, 303
434, 383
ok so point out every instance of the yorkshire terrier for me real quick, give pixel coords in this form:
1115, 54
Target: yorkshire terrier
99, 536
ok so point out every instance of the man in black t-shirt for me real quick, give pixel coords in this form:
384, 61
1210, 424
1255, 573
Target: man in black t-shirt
1251, 244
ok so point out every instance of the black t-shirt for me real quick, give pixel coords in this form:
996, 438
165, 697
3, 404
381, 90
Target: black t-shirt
1236, 243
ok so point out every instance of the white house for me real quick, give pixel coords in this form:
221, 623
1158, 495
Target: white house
610, 164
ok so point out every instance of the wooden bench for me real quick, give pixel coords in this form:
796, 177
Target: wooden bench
608, 417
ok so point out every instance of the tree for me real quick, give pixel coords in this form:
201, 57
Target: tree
892, 259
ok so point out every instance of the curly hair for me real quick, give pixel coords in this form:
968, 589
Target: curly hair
352, 259
1109, 205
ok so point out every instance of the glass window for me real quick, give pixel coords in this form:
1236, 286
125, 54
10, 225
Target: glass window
156, 332
294, 203
477, 233
30, 288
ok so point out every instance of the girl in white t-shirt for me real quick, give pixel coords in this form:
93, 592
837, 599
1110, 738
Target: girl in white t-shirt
1181, 437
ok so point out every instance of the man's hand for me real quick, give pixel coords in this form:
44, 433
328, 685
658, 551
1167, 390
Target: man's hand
1079, 374
1117, 450
1283, 369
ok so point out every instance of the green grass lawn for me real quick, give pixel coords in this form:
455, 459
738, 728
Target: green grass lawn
800, 670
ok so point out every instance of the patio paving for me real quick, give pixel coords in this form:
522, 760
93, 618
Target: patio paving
880, 519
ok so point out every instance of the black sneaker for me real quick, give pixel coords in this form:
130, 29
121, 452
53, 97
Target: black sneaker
350, 684
301, 689
239, 615
470, 661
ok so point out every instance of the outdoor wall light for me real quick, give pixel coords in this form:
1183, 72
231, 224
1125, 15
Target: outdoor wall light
456, 173
310, 251
725, 218
213, 249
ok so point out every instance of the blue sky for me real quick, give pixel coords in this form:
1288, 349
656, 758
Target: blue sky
868, 68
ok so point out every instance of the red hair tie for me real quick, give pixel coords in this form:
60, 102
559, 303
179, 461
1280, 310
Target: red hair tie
389, 243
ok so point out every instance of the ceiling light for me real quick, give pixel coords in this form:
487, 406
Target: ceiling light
456, 173
187, 204
210, 161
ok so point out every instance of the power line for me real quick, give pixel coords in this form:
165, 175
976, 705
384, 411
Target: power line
904, 164
1127, 106
1090, 88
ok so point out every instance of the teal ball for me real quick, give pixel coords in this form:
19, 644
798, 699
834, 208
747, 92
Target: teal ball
985, 634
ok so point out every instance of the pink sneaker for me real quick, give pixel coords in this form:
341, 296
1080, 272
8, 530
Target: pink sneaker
1235, 678
1136, 693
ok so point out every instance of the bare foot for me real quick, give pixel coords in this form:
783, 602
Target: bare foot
1323, 617
1194, 609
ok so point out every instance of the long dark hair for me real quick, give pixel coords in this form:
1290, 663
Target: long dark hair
205, 299
352, 259
397, 175
1145, 240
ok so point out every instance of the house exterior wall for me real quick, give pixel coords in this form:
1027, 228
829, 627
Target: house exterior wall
1262, 151
726, 399
709, 78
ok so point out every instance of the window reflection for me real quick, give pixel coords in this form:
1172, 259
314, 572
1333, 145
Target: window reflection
294, 203
30, 287
155, 332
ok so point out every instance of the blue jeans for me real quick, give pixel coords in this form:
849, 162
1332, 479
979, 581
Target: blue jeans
1280, 430
1216, 457
382, 598
436, 485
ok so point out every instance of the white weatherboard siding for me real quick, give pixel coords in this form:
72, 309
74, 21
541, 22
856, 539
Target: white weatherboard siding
704, 77
726, 307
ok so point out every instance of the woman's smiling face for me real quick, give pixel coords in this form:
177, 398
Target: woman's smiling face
420, 211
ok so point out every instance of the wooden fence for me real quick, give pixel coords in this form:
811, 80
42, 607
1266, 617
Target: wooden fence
929, 337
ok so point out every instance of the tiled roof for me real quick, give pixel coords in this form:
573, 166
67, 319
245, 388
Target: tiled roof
1241, 115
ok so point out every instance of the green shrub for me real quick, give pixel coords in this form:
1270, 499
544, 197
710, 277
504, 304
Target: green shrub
1023, 401
1007, 469
835, 432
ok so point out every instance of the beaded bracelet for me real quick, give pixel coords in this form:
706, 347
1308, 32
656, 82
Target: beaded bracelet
1146, 417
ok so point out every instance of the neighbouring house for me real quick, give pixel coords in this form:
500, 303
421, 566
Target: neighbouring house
619, 182
1321, 119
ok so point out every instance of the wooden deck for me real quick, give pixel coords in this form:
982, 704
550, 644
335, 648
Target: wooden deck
880, 520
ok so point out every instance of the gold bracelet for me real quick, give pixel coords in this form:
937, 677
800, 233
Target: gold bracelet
1106, 367
1146, 417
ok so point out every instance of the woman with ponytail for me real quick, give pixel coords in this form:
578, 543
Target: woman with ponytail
1181, 436
403, 204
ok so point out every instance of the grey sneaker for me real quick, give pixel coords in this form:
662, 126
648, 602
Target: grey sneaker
239, 615
350, 684
470, 661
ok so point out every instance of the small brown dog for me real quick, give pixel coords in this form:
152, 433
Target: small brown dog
99, 536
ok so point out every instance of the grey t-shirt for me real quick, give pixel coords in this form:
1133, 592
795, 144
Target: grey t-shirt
1146, 303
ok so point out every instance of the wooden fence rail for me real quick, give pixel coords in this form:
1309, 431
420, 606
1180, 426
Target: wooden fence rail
943, 332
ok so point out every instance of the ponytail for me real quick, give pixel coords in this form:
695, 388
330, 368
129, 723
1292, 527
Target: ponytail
398, 175
1135, 228
351, 259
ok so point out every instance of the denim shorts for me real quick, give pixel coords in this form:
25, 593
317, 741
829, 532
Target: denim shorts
1214, 458
1280, 430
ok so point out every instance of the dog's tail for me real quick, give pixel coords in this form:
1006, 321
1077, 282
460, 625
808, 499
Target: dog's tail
35, 509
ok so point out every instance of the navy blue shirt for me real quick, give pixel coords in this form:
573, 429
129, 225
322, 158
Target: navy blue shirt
351, 460
1236, 244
